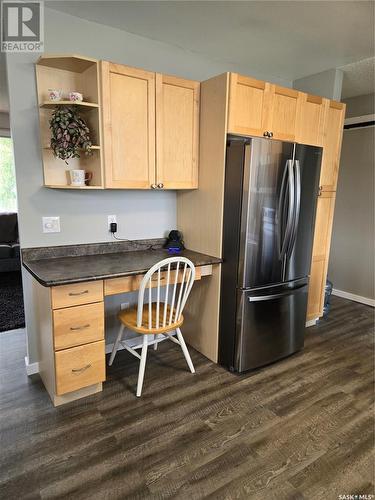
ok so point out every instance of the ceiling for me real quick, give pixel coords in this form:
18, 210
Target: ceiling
285, 39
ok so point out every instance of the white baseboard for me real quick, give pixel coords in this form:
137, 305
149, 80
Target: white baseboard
31, 368
311, 322
109, 347
352, 296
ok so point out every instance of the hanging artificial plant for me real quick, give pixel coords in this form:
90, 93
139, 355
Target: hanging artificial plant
69, 133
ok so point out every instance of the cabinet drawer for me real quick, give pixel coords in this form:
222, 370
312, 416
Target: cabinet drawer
79, 367
78, 325
76, 294
132, 283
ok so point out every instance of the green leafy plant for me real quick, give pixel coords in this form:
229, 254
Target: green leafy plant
69, 133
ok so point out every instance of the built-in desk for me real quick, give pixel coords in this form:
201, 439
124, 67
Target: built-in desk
69, 286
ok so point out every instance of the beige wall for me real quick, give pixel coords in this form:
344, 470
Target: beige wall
326, 84
351, 267
4, 122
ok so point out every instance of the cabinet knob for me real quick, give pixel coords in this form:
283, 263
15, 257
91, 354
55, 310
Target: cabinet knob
160, 185
265, 134
153, 186
270, 134
320, 190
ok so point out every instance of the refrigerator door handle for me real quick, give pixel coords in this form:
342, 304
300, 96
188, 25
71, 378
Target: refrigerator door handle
290, 291
280, 211
291, 191
297, 207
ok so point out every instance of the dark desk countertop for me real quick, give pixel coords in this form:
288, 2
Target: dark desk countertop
75, 269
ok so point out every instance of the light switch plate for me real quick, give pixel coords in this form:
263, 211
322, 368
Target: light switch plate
51, 224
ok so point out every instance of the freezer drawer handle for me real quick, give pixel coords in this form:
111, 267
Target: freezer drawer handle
275, 295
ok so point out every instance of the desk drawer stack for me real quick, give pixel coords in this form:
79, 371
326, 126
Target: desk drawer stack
77, 361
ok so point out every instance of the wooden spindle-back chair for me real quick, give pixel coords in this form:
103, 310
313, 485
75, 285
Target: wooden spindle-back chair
161, 317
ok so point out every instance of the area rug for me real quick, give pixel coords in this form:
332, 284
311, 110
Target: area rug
12, 314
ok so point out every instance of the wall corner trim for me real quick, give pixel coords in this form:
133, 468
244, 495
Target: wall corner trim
31, 368
354, 297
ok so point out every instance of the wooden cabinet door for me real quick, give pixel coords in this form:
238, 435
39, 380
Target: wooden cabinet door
310, 119
332, 138
282, 111
316, 289
323, 224
248, 105
177, 132
320, 254
128, 100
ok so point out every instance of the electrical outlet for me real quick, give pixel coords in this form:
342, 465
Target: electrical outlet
111, 218
124, 305
51, 224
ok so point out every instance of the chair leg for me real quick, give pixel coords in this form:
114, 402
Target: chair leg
156, 344
185, 350
142, 366
116, 344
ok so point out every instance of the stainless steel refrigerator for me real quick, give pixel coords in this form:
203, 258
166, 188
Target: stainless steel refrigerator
270, 196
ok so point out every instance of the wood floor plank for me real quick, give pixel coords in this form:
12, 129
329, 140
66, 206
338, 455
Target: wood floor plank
299, 429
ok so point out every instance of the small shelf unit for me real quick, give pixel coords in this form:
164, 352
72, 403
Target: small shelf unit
70, 73
92, 147
58, 186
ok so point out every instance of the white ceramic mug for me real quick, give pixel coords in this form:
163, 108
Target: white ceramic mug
75, 96
77, 177
55, 94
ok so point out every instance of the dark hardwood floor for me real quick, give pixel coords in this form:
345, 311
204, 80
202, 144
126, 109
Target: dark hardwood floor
299, 429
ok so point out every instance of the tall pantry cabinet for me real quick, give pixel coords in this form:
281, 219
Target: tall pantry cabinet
242, 105
332, 139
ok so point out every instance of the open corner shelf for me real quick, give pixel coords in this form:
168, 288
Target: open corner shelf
67, 186
52, 104
67, 62
92, 147
70, 73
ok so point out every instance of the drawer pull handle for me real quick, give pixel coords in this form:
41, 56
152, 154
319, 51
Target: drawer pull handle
156, 279
74, 294
80, 370
74, 328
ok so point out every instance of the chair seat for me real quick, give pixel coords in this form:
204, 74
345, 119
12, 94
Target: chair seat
128, 318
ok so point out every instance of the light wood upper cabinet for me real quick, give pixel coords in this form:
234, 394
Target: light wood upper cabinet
262, 109
248, 105
282, 105
177, 132
150, 129
333, 130
310, 119
128, 96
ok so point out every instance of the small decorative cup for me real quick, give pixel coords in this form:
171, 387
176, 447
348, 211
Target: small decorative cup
75, 96
79, 178
54, 94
